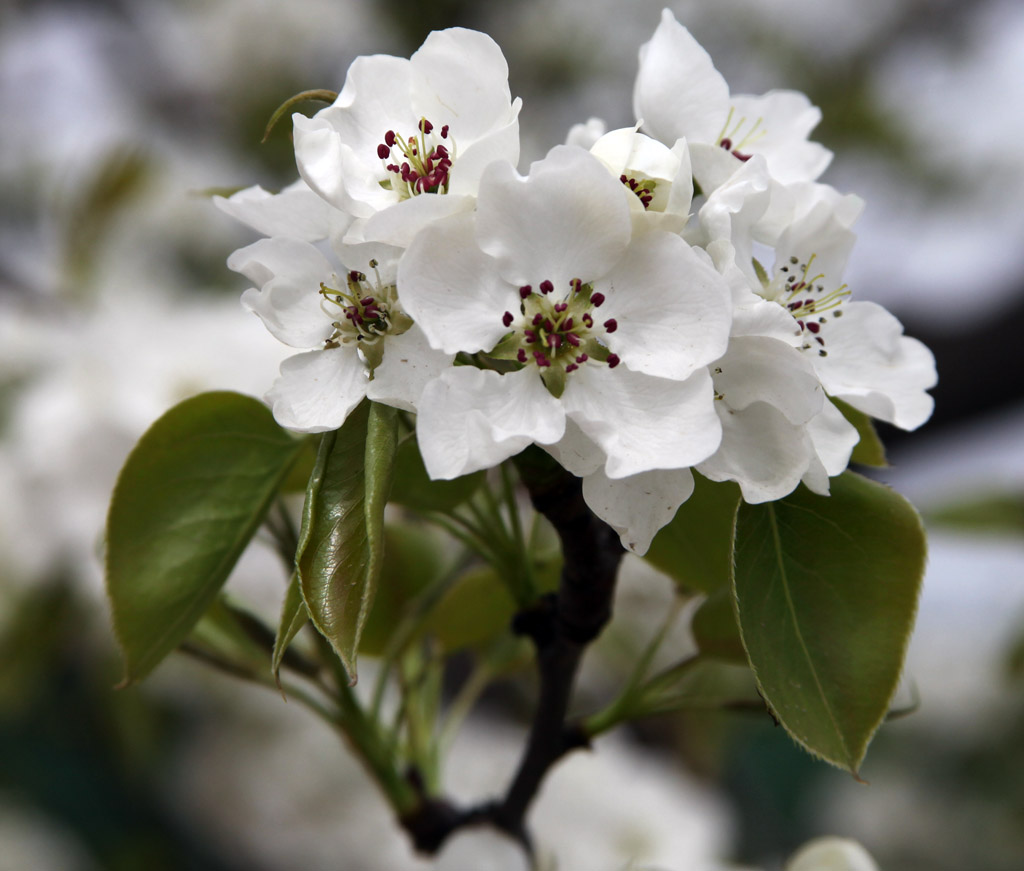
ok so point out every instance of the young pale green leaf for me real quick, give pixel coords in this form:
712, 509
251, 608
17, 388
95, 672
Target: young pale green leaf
341, 543
695, 549
191, 495
413, 488
697, 684
826, 590
476, 610
293, 617
869, 451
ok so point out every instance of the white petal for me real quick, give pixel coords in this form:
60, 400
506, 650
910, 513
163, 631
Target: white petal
471, 161
296, 211
875, 368
585, 135
567, 219
761, 451
638, 506
288, 303
831, 854
472, 419
678, 91
452, 289
713, 166
833, 438
318, 389
464, 74
759, 369
818, 234
670, 305
576, 452
399, 223
408, 364
322, 157
786, 119
641, 422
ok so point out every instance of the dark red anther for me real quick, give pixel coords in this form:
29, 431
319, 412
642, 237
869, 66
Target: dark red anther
422, 183
646, 201
572, 367
819, 340
530, 336
813, 327
426, 126
726, 143
507, 319
393, 167
611, 325
597, 298
561, 306
355, 276
525, 291
575, 285
793, 306
541, 358
582, 358
537, 318
546, 286
743, 157
613, 361
521, 356
567, 324
550, 327
444, 132
383, 152
572, 339
366, 300
623, 178
588, 321
389, 138
554, 340
440, 151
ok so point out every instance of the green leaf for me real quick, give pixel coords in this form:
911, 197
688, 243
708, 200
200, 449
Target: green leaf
341, 543
293, 617
191, 495
414, 558
715, 629
229, 632
695, 549
826, 590
869, 451
477, 609
414, 489
982, 513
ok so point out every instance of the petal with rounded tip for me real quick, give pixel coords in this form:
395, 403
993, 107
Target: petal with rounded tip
638, 506
296, 211
471, 419
761, 369
318, 389
409, 363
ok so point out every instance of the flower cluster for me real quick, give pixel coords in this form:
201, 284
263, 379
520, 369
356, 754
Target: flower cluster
642, 302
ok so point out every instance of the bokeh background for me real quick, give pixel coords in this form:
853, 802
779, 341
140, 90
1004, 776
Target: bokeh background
118, 117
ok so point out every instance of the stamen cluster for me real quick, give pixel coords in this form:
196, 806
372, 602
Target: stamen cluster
366, 309
807, 301
421, 165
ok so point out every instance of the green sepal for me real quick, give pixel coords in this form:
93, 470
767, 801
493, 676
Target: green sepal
341, 541
826, 591
759, 271
554, 379
191, 495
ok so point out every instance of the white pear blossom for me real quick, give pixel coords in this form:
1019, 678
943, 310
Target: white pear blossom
679, 93
551, 284
352, 320
295, 211
406, 141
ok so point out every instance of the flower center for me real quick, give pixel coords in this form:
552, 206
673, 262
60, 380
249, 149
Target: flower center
419, 164
730, 140
364, 312
803, 294
642, 187
557, 333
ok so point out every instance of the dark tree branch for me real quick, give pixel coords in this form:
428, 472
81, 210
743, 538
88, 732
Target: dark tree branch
561, 626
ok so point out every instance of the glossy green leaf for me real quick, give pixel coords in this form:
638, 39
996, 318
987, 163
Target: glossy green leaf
341, 544
413, 488
293, 617
695, 549
226, 631
191, 495
826, 590
715, 629
869, 451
